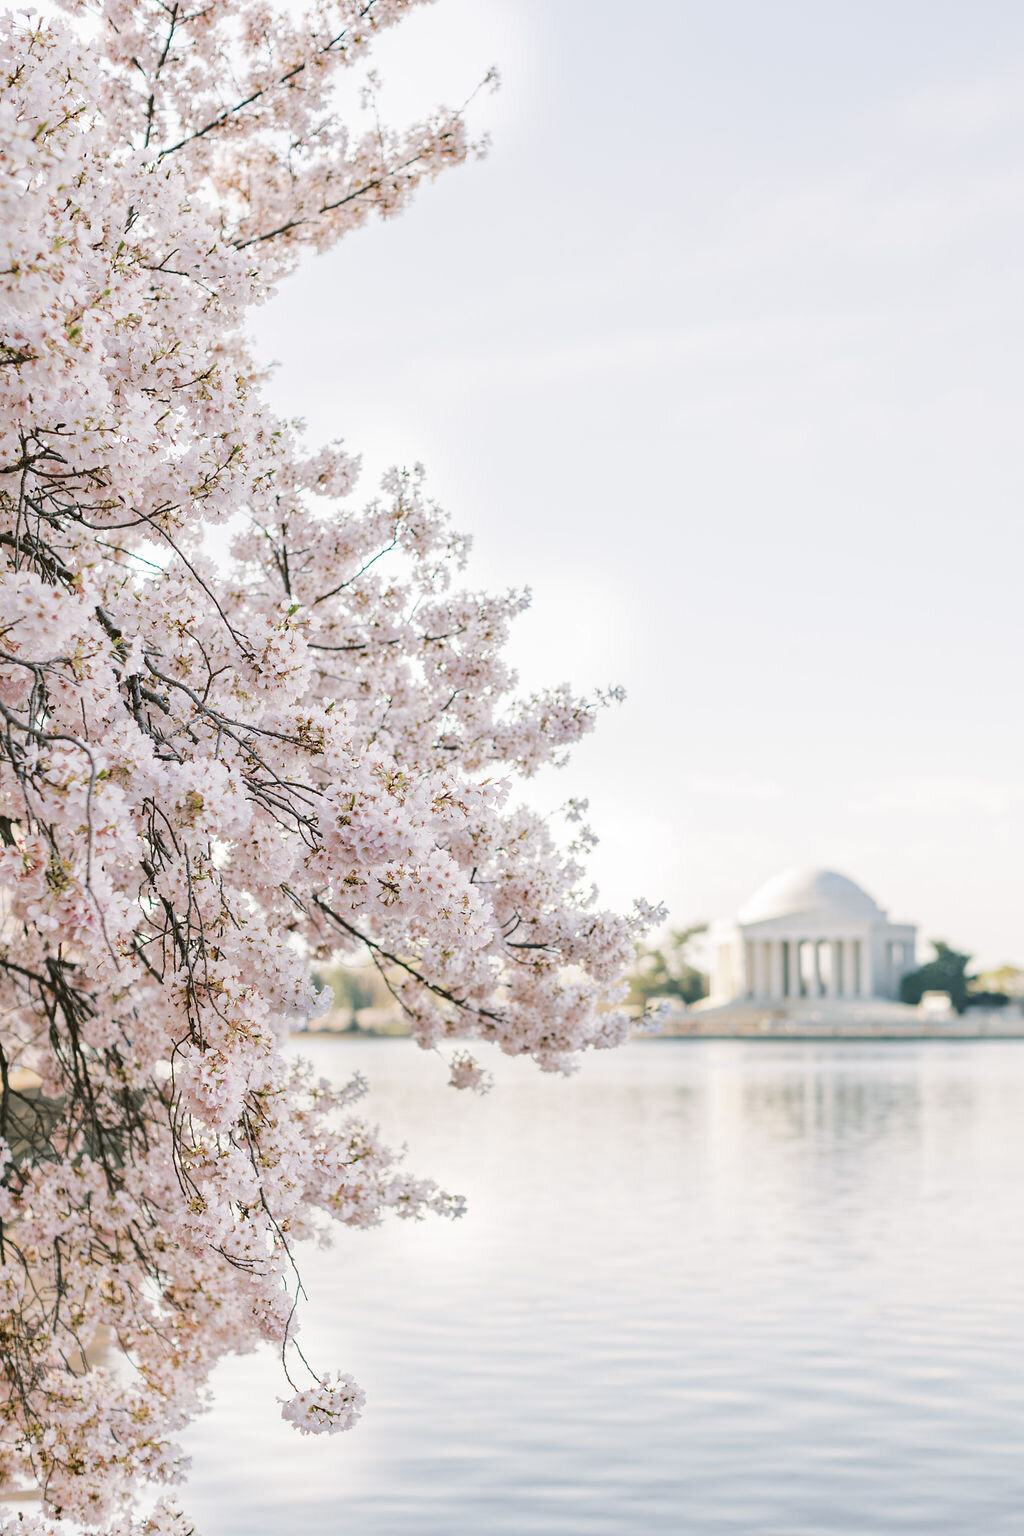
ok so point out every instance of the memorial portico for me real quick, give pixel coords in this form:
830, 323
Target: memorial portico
807, 934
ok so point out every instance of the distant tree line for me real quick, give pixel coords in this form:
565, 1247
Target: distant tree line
666, 970
947, 972
354, 987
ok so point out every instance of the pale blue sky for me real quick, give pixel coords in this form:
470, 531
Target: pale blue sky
719, 351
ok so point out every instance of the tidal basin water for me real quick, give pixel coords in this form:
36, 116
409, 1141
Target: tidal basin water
758, 1288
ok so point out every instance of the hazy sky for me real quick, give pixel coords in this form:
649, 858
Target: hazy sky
720, 351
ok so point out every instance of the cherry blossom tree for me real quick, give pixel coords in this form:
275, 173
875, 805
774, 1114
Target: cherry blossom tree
218, 772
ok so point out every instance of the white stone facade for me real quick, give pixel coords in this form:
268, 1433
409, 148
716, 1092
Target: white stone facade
809, 933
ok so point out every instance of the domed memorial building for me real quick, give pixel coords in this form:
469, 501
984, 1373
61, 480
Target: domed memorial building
807, 936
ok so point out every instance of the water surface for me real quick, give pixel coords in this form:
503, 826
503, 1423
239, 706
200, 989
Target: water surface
760, 1288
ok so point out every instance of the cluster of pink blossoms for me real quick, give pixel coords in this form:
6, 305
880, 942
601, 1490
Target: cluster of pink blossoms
211, 779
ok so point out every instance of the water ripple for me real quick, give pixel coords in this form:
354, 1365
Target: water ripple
762, 1289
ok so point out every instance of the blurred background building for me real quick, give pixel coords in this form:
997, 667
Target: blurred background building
809, 933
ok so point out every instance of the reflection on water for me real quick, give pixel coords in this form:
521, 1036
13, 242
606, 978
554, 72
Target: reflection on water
761, 1288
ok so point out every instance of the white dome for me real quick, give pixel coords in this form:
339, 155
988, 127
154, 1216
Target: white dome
822, 892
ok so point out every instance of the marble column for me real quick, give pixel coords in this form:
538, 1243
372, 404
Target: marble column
795, 988
867, 969
777, 987
835, 949
747, 963
849, 968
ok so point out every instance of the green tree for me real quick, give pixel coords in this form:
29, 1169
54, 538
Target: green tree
352, 987
946, 973
666, 971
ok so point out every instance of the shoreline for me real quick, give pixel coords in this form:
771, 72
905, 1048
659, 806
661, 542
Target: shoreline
836, 1037
766, 1036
